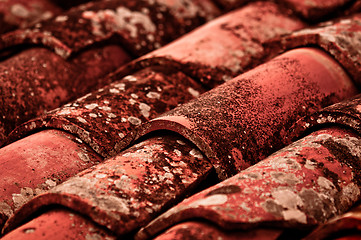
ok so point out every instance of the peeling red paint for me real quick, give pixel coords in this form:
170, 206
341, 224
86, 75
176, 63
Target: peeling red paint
300, 186
104, 118
127, 191
60, 224
24, 13
36, 164
340, 38
248, 118
223, 48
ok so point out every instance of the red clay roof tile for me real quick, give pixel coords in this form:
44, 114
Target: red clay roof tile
37, 80
315, 10
139, 26
341, 39
346, 224
103, 118
300, 186
246, 119
24, 13
205, 230
60, 224
224, 47
346, 113
94, 34
38, 163
127, 191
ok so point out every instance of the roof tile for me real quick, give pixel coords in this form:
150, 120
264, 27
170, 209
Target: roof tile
33, 169
256, 109
235, 125
341, 39
127, 191
103, 118
224, 47
24, 13
302, 185
95, 34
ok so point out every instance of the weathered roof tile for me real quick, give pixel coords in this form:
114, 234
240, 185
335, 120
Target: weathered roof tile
300, 186
256, 109
100, 36
24, 13
37, 80
341, 39
127, 191
237, 124
103, 118
223, 48
31, 168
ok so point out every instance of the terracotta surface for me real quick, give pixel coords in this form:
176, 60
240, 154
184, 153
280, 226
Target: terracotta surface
187, 140
24, 13
247, 118
131, 23
313, 10
37, 80
85, 43
202, 230
223, 48
103, 118
346, 113
345, 224
300, 186
28, 171
60, 224
125, 98
231, 4
127, 191
341, 39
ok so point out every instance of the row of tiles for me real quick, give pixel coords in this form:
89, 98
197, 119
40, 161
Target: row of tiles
195, 120
22, 14
87, 42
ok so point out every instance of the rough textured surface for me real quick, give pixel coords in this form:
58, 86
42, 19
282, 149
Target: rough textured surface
27, 171
125, 192
37, 80
139, 26
237, 45
24, 13
223, 48
236, 125
202, 230
247, 118
346, 113
341, 39
300, 186
103, 118
315, 10
349, 222
60, 223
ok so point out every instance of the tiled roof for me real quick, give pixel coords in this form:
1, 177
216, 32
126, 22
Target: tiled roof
158, 119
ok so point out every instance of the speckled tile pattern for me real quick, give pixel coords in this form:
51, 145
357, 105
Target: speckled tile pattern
180, 119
